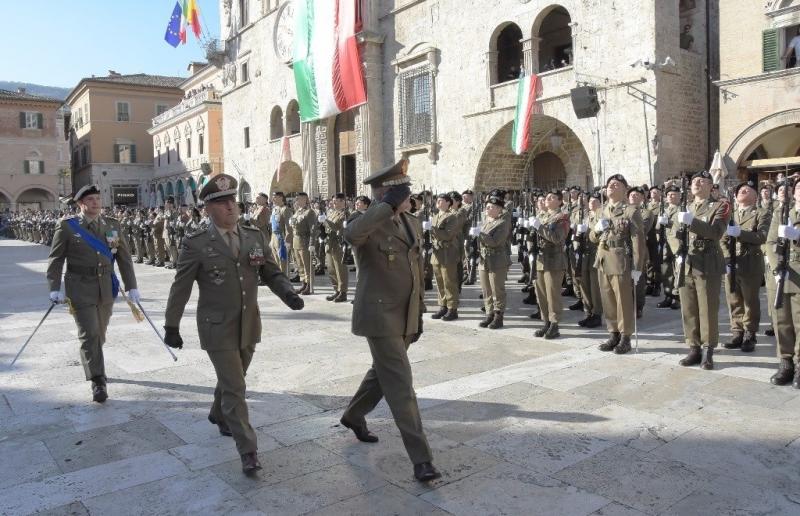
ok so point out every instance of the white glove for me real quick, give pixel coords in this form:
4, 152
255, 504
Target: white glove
581, 229
536, 224
636, 275
516, 213
247, 216
56, 296
474, 231
133, 295
312, 249
679, 259
789, 232
663, 220
344, 223
524, 223
322, 218
530, 221
602, 225
426, 225
685, 217
734, 231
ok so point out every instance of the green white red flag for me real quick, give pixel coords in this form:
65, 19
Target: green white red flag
529, 87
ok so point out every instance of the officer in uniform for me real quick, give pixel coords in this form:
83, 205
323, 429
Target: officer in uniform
653, 206
551, 230
281, 242
226, 260
303, 222
636, 199
706, 221
445, 228
170, 240
669, 247
589, 283
494, 263
620, 237
746, 235
158, 236
90, 244
388, 309
261, 215
466, 217
148, 236
335, 221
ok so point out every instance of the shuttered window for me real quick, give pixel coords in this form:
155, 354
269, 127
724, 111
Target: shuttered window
771, 53
31, 120
125, 153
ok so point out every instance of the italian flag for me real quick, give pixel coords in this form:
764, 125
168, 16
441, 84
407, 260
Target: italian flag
327, 66
526, 103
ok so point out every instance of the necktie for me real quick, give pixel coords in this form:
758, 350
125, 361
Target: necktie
233, 242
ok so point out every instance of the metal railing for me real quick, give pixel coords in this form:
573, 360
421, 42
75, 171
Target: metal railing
186, 105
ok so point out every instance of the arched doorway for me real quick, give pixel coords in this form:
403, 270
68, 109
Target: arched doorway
291, 179
180, 194
36, 199
344, 144
556, 157
766, 148
193, 190
160, 195
245, 192
5, 201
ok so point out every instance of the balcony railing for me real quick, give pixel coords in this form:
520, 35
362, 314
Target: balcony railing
186, 105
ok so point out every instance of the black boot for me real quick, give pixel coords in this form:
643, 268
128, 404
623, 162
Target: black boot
552, 331
736, 342
426, 472
450, 315
694, 357
440, 313
99, 393
341, 298
611, 343
531, 299
749, 342
770, 332
576, 306
708, 360
648, 290
666, 303
785, 373
497, 322
487, 321
796, 381
331, 297
523, 279
536, 316
624, 345
541, 331
656, 291
428, 284
568, 291
676, 304
593, 321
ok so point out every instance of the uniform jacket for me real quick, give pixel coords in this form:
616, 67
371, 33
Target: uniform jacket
334, 228
389, 291
709, 225
261, 219
493, 239
792, 284
749, 254
621, 248
303, 223
80, 286
227, 309
446, 235
552, 236
282, 214
159, 232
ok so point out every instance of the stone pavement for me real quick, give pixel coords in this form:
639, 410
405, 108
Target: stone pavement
518, 425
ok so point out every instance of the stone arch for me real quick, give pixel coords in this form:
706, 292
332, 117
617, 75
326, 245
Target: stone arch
192, 186
160, 195
552, 31
39, 195
245, 192
292, 118
500, 167
506, 51
291, 179
5, 200
747, 141
276, 123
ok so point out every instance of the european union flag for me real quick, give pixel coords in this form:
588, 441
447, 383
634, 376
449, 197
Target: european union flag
173, 29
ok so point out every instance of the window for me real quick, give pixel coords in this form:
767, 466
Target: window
293, 118
276, 123
246, 137
34, 166
243, 8
31, 120
509, 54
124, 153
159, 158
555, 43
123, 112
245, 74
86, 113
168, 157
199, 143
416, 106
781, 47
160, 108
188, 147
84, 155
178, 151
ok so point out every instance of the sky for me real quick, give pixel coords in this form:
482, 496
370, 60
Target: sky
58, 42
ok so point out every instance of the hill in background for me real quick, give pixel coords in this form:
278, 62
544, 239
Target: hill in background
36, 89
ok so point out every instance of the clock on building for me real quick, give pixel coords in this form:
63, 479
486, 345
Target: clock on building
283, 35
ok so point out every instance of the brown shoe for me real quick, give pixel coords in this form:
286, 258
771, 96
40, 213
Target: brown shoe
250, 463
341, 297
708, 360
611, 343
694, 357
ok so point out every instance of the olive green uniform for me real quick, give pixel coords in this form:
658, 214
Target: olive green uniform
648, 223
670, 248
281, 234
589, 281
303, 223
337, 270
787, 318
446, 228
494, 263
551, 264
158, 237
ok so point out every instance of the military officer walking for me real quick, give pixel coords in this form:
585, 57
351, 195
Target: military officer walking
705, 221
335, 221
745, 237
620, 237
90, 244
494, 262
445, 228
226, 260
303, 222
388, 311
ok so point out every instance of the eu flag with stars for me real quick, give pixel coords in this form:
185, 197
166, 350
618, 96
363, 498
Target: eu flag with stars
173, 29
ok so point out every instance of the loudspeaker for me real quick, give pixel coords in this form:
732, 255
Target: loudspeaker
584, 101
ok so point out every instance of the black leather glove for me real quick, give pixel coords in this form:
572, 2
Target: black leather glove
396, 194
172, 337
416, 336
294, 301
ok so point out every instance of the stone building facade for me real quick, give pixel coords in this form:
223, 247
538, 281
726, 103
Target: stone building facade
187, 139
759, 90
34, 169
108, 138
441, 79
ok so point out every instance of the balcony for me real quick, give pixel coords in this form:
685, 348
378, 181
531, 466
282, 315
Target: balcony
186, 105
555, 83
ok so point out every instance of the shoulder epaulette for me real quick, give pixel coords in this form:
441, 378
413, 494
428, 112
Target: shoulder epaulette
250, 228
196, 233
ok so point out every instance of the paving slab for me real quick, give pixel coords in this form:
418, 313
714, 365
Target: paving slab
386, 500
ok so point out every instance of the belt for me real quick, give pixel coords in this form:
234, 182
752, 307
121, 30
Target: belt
89, 271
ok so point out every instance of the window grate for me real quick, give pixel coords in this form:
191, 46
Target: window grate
416, 106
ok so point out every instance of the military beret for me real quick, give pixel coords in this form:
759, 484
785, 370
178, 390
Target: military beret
171, 199
497, 193
557, 193
595, 195
673, 188
262, 194
363, 198
574, 188
456, 196
617, 177
497, 201
702, 174
86, 190
654, 187
340, 195
638, 189
467, 192
446, 197
742, 185
218, 186
396, 174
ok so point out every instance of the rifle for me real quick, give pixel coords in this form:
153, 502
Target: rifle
731, 265
662, 235
533, 254
474, 245
683, 238
427, 245
579, 240
783, 246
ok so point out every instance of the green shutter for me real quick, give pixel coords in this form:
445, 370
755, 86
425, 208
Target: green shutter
22, 120
39, 121
133, 153
771, 54
41, 165
116, 153
27, 166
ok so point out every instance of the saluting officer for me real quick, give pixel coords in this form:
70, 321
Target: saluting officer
226, 260
706, 221
335, 221
445, 228
90, 244
303, 222
388, 310
494, 262
749, 232
620, 237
